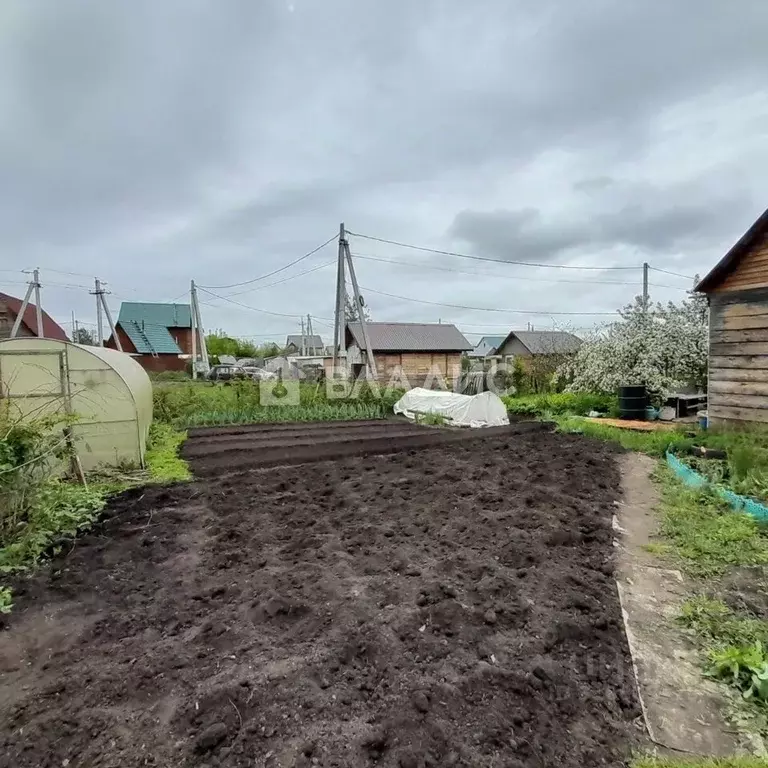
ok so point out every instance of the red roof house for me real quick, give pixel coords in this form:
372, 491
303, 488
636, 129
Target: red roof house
10, 307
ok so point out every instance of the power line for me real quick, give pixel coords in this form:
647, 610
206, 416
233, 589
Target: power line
676, 274
368, 257
482, 309
483, 258
274, 272
285, 279
255, 309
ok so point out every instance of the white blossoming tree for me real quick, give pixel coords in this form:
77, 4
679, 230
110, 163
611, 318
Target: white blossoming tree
663, 347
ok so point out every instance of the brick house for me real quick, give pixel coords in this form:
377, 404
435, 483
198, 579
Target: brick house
417, 349
10, 307
158, 336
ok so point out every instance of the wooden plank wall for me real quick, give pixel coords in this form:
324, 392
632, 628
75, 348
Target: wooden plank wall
417, 365
738, 356
751, 271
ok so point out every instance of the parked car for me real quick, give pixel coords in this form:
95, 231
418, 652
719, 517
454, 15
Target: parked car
226, 373
258, 374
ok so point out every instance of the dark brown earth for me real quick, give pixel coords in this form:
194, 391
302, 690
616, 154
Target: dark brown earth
236, 449
448, 606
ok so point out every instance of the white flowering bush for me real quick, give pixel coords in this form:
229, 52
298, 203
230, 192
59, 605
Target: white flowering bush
664, 347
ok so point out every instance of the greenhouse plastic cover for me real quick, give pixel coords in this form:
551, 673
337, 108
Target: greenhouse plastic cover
483, 410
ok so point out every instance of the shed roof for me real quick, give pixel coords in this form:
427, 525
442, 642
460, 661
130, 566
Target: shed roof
731, 260
411, 337
546, 342
150, 338
167, 315
310, 341
51, 329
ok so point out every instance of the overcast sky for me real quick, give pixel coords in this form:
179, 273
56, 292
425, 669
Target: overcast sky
148, 142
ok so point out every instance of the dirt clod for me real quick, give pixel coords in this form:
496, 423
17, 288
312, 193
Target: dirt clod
211, 737
420, 701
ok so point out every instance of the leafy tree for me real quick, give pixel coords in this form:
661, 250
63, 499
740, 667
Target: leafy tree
219, 343
664, 347
352, 311
84, 336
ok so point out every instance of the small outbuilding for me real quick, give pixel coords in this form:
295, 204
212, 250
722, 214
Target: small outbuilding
737, 291
412, 353
108, 392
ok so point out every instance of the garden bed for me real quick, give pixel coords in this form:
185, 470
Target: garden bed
451, 606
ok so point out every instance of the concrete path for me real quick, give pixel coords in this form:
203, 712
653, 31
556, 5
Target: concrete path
684, 711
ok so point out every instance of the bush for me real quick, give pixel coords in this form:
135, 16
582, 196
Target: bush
576, 403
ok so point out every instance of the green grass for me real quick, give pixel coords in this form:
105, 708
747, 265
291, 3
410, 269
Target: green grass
701, 762
653, 443
704, 532
714, 623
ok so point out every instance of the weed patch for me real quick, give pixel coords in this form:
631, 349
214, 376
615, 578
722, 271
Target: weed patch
560, 403
162, 456
701, 762
431, 419
705, 533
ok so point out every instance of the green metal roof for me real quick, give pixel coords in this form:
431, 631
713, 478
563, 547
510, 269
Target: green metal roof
150, 338
167, 315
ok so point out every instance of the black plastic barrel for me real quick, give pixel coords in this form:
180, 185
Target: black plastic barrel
632, 402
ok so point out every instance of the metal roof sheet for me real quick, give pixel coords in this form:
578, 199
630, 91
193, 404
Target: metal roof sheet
411, 337
150, 338
168, 315
547, 342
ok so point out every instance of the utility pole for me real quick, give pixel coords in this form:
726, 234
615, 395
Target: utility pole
339, 328
303, 340
38, 308
74, 327
99, 326
198, 332
24, 305
311, 334
193, 323
360, 304
101, 304
645, 286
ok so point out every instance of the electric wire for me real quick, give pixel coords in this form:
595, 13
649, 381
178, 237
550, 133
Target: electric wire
276, 271
481, 309
483, 258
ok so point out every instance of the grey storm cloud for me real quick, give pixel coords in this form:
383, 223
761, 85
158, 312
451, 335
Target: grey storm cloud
652, 221
151, 142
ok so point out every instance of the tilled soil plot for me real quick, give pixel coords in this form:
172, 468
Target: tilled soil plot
448, 607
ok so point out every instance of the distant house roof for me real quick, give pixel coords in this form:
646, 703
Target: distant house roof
410, 337
146, 325
167, 315
51, 329
491, 343
730, 261
546, 342
150, 338
312, 342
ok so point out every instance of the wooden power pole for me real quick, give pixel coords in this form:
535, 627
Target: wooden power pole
360, 304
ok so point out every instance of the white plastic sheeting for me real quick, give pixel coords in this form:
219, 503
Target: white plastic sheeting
483, 410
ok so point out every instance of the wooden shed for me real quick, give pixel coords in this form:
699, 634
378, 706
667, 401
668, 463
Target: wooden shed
415, 353
737, 290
